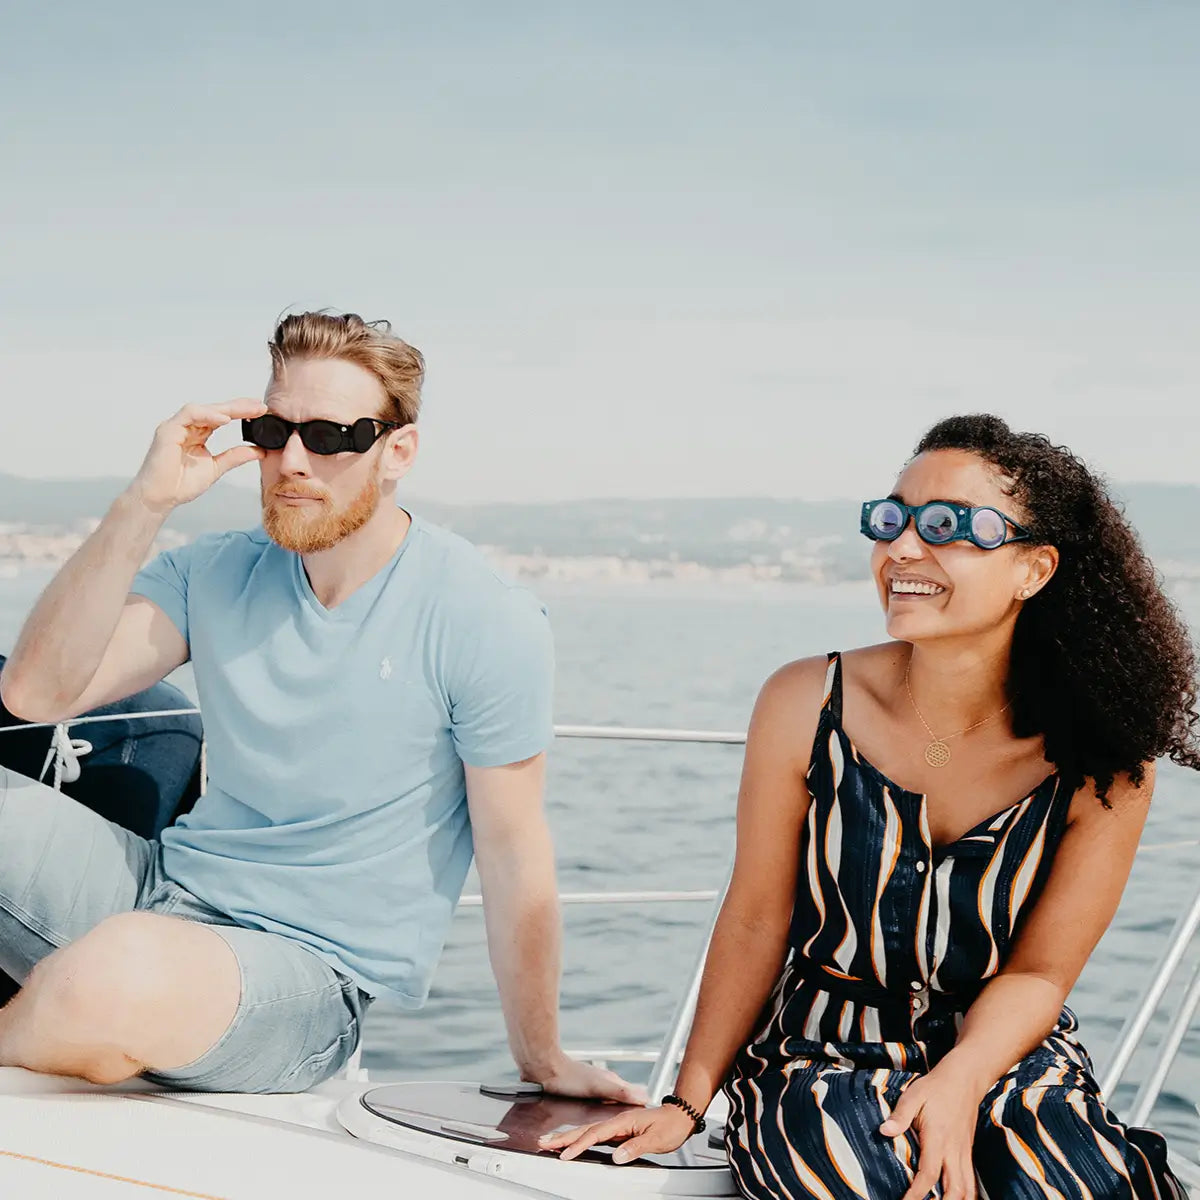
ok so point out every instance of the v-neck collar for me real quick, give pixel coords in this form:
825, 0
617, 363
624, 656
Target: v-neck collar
850, 750
363, 595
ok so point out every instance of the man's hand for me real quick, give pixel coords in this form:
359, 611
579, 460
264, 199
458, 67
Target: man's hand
178, 466
569, 1077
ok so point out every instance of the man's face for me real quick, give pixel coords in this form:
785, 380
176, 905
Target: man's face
312, 501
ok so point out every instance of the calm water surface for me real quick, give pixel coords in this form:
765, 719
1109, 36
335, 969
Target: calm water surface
640, 816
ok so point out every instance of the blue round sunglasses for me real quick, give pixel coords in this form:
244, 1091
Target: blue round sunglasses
940, 522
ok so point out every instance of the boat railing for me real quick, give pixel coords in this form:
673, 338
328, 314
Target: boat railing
65, 751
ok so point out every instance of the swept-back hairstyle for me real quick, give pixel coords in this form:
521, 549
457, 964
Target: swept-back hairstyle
1103, 668
399, 367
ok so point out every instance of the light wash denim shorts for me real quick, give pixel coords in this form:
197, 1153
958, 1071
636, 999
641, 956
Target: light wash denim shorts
63, 869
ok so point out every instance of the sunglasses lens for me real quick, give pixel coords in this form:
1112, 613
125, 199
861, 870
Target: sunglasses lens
988, 528
938, 524
362, 434
268, 431
887, 520
321, 437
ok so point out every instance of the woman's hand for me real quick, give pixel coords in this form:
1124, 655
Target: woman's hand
648, 1131
941, 1108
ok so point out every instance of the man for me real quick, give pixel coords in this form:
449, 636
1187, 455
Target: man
374, 698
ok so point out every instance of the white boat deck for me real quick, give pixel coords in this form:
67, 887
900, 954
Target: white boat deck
65, 1138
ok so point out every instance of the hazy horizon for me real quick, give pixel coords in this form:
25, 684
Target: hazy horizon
650, 251
243, 481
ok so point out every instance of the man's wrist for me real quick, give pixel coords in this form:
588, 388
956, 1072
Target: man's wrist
132, 504
540, 1067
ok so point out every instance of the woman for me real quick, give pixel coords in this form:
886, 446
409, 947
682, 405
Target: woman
933, 834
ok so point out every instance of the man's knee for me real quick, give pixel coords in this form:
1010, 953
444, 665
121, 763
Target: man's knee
107, 981
134, 976
139, 991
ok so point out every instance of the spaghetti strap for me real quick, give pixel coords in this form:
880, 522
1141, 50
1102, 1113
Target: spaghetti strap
833, 687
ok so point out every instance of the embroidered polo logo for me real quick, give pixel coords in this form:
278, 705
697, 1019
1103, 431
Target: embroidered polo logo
385, 669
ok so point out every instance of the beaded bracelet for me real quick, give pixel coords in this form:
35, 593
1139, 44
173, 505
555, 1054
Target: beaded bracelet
695, 1114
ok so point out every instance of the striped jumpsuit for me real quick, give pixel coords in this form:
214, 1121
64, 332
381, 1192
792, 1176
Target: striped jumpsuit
891, 939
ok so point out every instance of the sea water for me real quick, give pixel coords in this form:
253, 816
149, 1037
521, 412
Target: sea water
634, 816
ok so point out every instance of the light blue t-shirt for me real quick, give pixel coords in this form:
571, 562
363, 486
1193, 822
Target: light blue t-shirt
336, 805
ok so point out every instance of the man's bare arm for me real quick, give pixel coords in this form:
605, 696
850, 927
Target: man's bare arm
515, 858
87, 641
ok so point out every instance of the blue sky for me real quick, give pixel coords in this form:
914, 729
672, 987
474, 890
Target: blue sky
648, 248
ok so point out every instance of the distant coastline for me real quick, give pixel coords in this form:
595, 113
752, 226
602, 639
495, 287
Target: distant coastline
753, 540
26, 548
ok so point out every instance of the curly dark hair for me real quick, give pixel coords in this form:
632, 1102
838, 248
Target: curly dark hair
1103, 668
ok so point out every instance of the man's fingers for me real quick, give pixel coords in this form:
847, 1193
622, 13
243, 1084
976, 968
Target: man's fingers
628, 1093
213, 416
200, 416
237, 456
244, 406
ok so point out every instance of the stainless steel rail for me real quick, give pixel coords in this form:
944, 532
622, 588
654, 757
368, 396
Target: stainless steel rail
474, 900
1168, 1049
626, 733
598, 732
1138, 1021
662, 1074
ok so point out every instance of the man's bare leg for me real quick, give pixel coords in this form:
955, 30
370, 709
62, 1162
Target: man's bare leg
139, 992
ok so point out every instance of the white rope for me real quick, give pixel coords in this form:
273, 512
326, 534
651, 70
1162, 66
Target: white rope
131, 716
64, 753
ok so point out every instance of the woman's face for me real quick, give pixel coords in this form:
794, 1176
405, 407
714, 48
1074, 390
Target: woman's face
958, 589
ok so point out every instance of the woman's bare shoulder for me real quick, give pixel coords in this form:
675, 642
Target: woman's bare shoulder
874, 669
796, 683
786, 714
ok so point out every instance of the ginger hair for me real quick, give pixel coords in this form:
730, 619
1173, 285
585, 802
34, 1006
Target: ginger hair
399, 367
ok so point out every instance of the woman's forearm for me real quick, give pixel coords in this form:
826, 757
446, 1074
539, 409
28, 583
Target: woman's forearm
1010, 1017
743, 964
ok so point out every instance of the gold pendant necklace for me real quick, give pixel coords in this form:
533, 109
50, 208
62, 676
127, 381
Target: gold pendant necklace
937, 753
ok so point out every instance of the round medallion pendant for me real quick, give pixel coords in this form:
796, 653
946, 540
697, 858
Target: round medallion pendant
937, 754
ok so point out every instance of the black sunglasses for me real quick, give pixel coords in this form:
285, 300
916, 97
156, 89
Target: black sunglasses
940, 522
320, 436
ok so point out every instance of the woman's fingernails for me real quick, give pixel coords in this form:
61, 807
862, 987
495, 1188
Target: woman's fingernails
619, 1156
